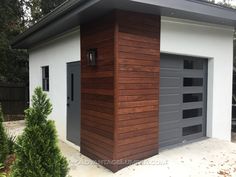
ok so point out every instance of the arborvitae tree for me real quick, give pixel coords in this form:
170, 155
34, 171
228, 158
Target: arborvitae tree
37, 152
3, 140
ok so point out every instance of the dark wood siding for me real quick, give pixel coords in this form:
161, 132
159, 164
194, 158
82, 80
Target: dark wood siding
97, 90
120, 94
137, 85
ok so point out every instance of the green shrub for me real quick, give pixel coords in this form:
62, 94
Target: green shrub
37, 152
11, 143
3, 140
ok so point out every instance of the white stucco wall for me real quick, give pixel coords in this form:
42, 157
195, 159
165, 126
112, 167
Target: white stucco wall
56, 54
215, 43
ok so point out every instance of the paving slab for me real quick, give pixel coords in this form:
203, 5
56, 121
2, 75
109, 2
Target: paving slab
203, 158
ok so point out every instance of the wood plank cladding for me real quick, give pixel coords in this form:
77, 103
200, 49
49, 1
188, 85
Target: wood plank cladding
97, 90
120, 95
137, 86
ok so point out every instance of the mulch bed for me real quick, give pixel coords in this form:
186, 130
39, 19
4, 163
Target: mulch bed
8, 163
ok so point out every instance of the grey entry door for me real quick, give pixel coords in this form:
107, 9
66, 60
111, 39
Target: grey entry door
73, 102
183, 92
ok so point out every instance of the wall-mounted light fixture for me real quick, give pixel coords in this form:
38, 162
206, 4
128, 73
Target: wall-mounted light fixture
92, 56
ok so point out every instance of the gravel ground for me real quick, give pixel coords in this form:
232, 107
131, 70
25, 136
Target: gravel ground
15, 128
204, 158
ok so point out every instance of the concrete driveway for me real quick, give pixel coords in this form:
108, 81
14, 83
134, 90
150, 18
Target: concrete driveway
203, 158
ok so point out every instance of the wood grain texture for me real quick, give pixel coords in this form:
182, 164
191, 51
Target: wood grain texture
120, 95
138, 86
97, 90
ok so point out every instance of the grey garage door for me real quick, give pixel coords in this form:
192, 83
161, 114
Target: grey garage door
183, 85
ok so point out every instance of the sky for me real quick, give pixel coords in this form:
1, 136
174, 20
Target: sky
233, 2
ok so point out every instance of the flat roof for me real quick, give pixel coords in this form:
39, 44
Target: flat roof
72, 13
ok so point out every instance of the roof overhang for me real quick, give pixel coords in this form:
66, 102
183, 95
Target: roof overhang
75, 12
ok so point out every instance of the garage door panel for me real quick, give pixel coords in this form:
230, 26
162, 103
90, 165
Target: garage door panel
192, 97
192, 105
193, 82
170, 62
192, 113
193, 73
182, 99
170, 125
170, 82
192, 121
169, 90
169, 108
192, 137
169, 72
168, 99
170, 116
193, 90
170, 134
192, 63
170, 137
168, 142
